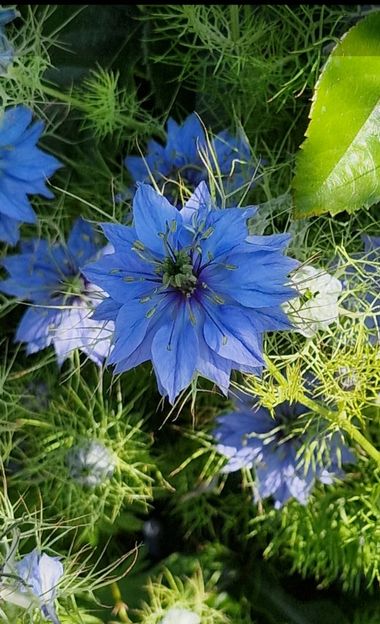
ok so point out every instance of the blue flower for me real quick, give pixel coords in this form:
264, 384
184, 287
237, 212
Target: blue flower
251, 438
23, 170
180, 162
49, 276
191, 290
6, 50
40, 574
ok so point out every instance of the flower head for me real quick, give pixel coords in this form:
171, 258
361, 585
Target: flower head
6, 50
191, 290
317, 306
91, 463
49, 276
177, 615
40, 574
180, 161
23, 170
251, 438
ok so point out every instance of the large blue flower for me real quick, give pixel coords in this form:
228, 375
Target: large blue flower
251, 438
23, 170
180, 162
6, 49
49, 277
191, 290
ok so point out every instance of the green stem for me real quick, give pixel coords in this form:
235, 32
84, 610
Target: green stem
235, 23
343, 423
128, 121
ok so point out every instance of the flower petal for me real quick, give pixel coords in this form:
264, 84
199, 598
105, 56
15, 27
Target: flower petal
154, 218
175, 353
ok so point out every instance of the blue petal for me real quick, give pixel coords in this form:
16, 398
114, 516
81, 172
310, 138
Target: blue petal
15, 206
184, 141
121, 237
81, 242
153, 218
123, 276
229, 332
175, 353
200, 201
107, 310
9, 230
34, 328
13, 123
7, 15
139, 355
137, 168
229, 231
131, 325
153, 164
213, 367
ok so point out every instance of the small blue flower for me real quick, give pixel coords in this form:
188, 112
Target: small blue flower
180, 160
6, 49
191, 290
251, 438
23, 170
49, 276
41, 574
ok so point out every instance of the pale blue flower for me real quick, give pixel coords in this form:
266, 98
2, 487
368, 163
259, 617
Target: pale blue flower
49, 277
41, 574
251, 438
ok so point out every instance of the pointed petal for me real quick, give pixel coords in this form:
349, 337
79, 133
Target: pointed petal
175, 353
153, 218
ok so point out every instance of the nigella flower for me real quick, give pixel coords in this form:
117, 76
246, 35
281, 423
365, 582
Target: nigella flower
191, 290
90, 464
49, 277
6, 50
41, 574
317, 306
180, 161
23, 170
251, 438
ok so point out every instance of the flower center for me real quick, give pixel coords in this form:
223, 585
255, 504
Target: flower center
73, 285
177, 272
70, 288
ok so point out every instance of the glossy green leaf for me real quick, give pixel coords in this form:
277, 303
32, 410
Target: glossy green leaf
338, 166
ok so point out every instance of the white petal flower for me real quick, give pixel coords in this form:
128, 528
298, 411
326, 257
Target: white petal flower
177, 615
317, 306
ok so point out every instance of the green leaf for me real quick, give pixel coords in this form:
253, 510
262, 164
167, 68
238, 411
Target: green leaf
338, 167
